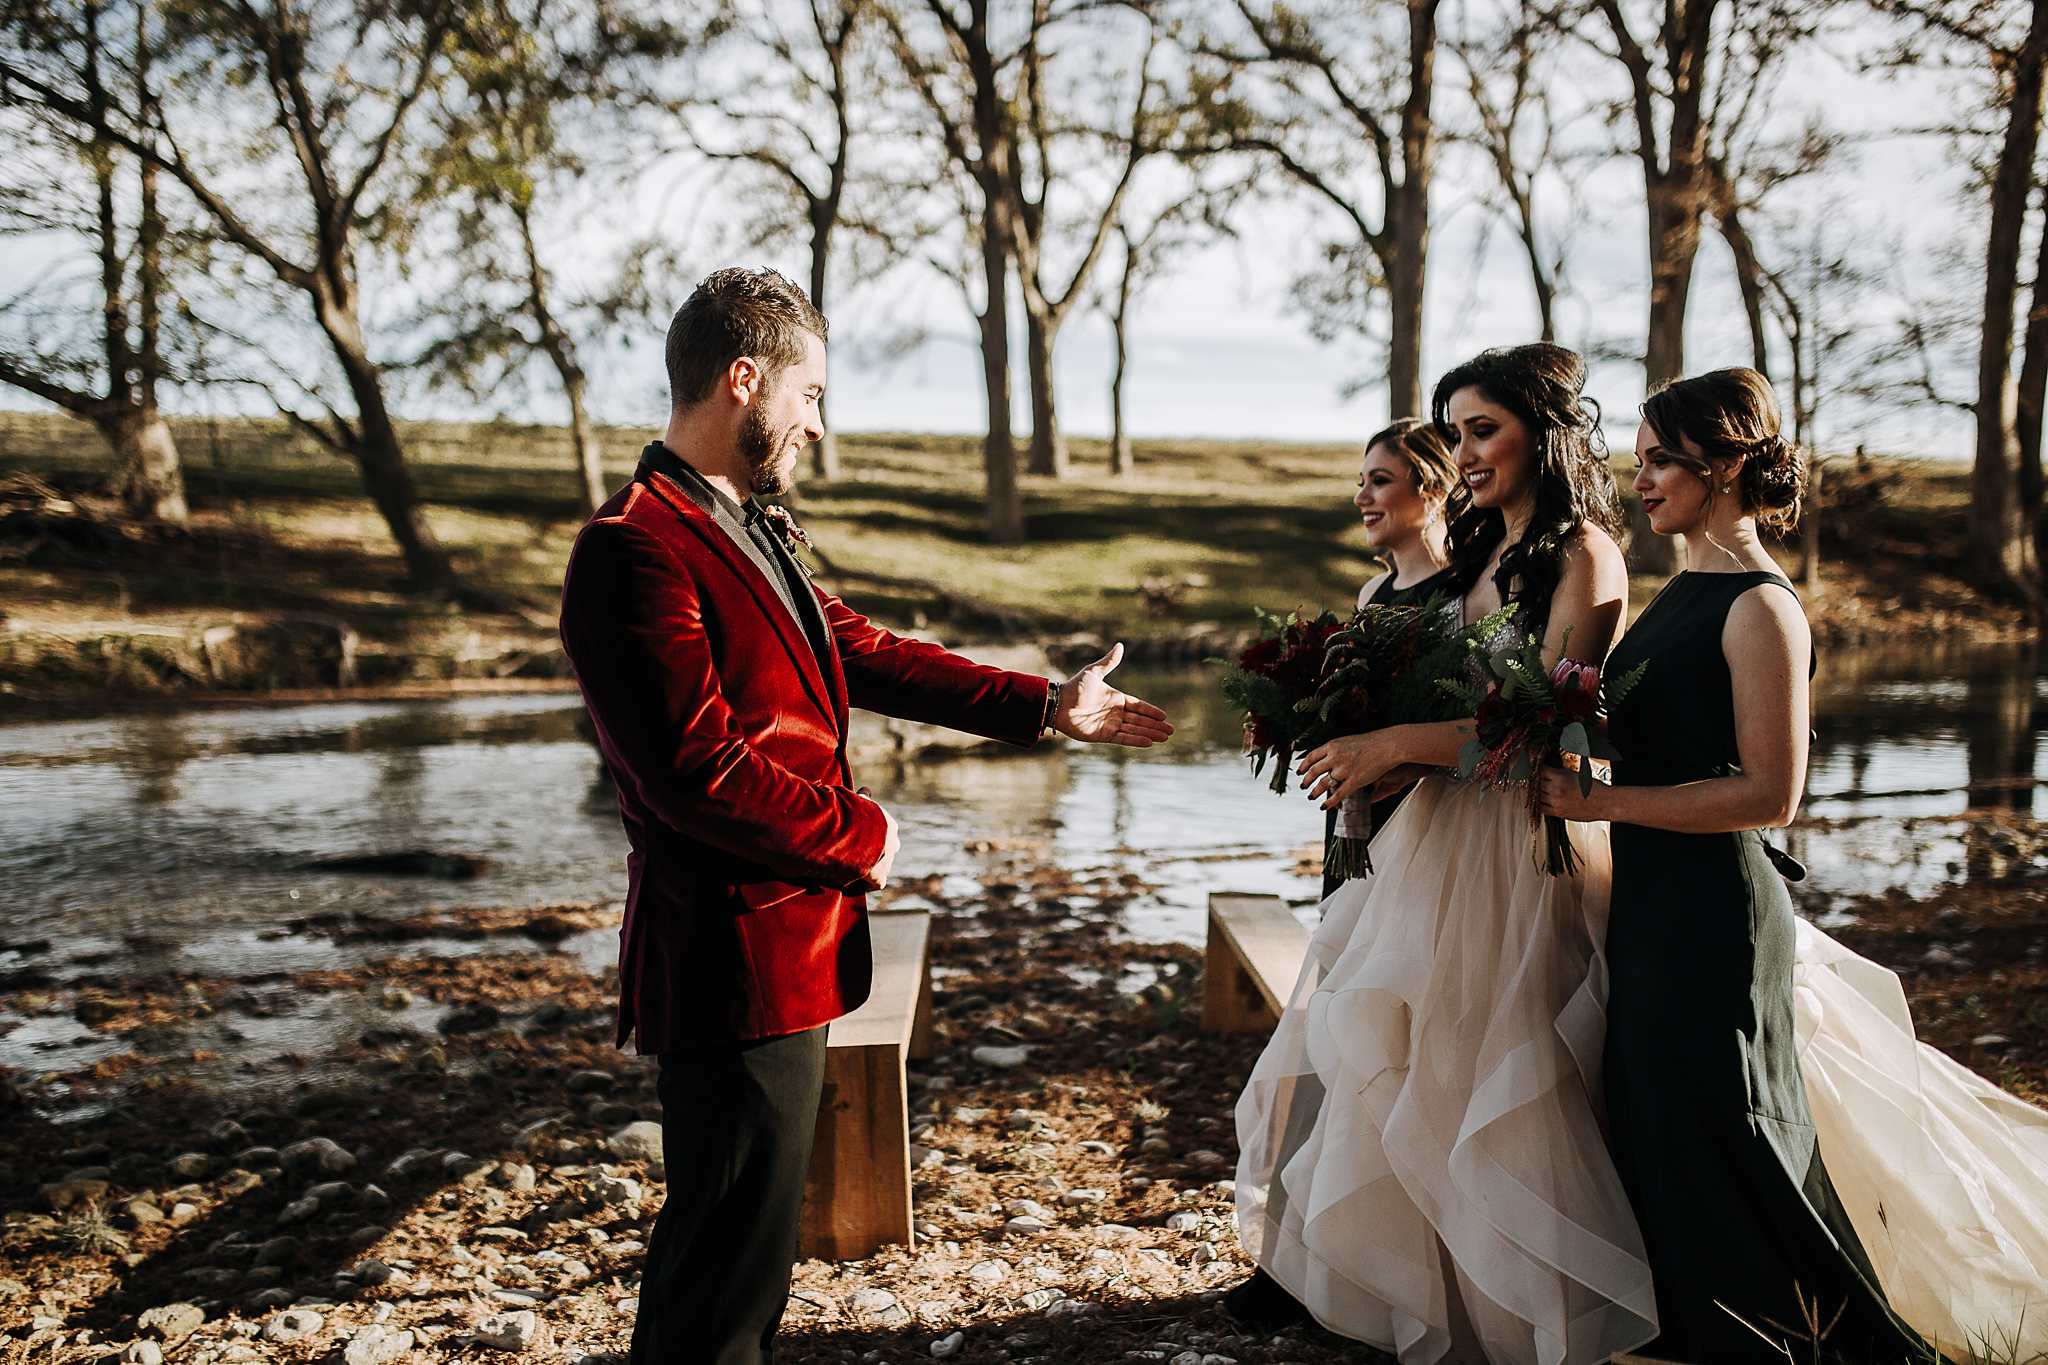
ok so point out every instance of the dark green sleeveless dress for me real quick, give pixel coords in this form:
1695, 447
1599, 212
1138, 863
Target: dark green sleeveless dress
1706, 1105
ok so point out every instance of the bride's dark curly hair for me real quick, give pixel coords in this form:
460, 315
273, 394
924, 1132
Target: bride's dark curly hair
1541, 384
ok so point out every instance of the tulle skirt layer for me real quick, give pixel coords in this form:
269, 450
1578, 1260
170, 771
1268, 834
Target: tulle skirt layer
1422, 1162
1944, 1175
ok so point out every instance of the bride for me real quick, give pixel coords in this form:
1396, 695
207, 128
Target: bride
1422, 1161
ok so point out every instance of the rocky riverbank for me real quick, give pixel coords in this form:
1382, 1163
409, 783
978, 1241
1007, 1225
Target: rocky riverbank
475, 1175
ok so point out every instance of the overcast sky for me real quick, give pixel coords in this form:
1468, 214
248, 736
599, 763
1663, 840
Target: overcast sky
1218, 352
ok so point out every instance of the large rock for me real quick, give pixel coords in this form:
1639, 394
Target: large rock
636, 1142
278, 1251
292, 1324
172, 1322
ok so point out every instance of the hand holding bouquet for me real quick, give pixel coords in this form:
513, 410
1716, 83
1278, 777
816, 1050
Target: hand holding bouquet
1529, 717
1315, 679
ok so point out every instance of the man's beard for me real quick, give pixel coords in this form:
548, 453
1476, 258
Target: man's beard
762, 450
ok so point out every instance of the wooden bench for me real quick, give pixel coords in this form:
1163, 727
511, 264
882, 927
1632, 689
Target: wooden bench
857, 1192
1256, 948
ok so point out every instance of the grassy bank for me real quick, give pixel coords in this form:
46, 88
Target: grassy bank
1202, 532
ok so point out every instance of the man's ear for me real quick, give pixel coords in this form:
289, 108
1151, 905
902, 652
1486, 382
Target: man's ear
743, 380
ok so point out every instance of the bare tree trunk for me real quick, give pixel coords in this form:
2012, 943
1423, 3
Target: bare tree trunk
1809, 531
1408, 216
1120, 461
1674, 244
1049, 453
1749, 274
2000, 555
825, 452
379, 453
152, 480
561, 353
1005, 513
2030, 407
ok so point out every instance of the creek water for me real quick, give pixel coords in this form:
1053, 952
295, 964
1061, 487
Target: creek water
185, 841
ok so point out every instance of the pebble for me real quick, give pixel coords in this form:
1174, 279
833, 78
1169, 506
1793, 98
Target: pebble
1023, 1227
239, 1182
1099, 1147
140, 1211
588, 1082
533, 1135
378, 1345
142, 1353
611, 1189
64, 1193
948, 1345
406, 1163
334, 1194
1155, 1144
1074, 1308
1228, 1187
298, 1211
1989, 1040
870, 1300
1001, 1058
278, 1251
1025, 1120
315, 1155
1187, 1358
263, 1300
172, 1322
1205, 1253
182, 1213
372, 1272
1205, 1157
639, 1141
1074, 1199
1026, 1208
929, 1230
988, 1272
292, 1324
508, 1331
189, 1165
1183, 1222
257, 1158
1040, 1298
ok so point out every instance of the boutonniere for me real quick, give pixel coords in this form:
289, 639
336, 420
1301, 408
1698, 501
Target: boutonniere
792, 534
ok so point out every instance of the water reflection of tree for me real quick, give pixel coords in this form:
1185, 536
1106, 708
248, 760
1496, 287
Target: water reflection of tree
158, 746
1998, 730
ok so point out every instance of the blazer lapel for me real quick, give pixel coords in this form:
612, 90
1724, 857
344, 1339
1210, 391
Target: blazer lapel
743, 567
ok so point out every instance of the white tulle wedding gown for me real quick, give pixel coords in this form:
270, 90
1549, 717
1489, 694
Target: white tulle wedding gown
1422, 1162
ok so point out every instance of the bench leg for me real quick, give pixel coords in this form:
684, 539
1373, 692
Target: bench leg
857, 1193
1231, 1000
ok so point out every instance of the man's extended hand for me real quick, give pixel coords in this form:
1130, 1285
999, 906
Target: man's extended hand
1090, 709
878, 875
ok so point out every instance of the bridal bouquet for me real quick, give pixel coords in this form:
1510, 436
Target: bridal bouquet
1529, 717
1313, 679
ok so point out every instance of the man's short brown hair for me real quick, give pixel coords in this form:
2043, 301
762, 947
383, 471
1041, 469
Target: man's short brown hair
737, 312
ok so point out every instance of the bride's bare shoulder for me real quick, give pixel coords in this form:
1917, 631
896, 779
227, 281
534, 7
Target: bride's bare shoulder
1592, 554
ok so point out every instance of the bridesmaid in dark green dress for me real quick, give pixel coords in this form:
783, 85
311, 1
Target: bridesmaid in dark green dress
1747, 1241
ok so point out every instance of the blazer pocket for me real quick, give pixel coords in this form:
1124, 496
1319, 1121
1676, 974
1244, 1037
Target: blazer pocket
761, 895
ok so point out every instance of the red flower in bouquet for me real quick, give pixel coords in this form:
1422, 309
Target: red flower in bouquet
1313, 679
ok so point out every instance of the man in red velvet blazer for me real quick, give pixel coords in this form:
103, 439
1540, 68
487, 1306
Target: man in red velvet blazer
719, 679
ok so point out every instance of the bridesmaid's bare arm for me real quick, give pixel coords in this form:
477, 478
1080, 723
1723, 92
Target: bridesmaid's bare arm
1767, 645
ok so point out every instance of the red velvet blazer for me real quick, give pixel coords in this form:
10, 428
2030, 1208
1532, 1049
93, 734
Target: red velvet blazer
745, 915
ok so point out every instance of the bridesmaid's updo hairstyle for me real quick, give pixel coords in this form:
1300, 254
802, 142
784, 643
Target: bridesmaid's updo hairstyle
1542, 384
1429, 462
1733, 414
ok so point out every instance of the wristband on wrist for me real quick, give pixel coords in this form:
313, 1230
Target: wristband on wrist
1052, 707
